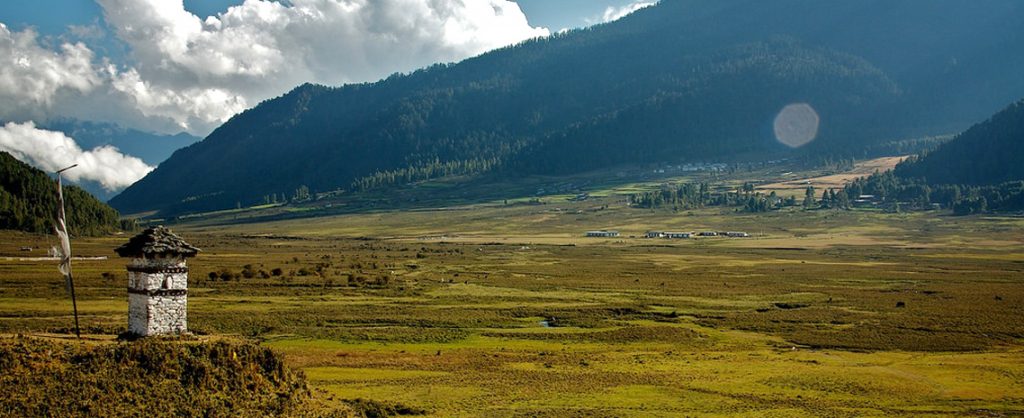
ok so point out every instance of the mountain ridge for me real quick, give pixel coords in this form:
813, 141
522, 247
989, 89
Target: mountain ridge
608, 94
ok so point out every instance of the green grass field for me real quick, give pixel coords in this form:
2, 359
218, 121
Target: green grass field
491, 309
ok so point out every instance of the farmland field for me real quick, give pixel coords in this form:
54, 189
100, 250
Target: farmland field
795, 185
504, 309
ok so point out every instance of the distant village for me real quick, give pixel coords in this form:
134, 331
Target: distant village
670, 235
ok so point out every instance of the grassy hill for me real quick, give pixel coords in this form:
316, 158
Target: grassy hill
150, 377
682, 81
157, 378
28, 202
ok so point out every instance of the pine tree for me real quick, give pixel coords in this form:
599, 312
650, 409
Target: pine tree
809, 197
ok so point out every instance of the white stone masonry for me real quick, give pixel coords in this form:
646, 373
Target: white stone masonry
157, 296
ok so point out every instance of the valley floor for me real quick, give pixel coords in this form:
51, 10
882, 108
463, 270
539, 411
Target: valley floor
505, 309
870, 317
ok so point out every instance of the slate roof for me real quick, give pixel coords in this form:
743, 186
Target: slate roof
156, 241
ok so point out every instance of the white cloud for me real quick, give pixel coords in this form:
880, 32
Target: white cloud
186, 106
260, 49
192, 74
612, 14
32, 76
51, 151
91, 32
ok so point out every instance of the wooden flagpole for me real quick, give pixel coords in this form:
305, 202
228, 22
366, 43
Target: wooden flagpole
66, 245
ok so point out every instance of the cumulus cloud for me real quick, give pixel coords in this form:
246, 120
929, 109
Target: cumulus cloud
187, 73
185, 106
187, 67
612, 14
32, 76
51, 151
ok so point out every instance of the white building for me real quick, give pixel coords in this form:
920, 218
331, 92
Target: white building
157, 282
603, 234
678, 235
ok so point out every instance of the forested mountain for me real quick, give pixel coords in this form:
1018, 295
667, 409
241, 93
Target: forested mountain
979, 171
683, 80
28, 202
989, 153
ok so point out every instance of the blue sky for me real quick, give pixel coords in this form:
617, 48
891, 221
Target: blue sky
53, 16
48, 16
552, 14
167, 66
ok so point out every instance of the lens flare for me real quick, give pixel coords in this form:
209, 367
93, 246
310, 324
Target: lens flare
797, 125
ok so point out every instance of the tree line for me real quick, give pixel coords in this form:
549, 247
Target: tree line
688, 196
28, 202
425, 171
899, 193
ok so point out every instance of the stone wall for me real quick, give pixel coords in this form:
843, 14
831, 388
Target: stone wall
157, 281
157, 296
145, 274
154, 315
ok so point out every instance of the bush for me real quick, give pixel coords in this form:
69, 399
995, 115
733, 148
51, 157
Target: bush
368, 408
226, 275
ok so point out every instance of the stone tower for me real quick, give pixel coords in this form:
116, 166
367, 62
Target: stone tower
157, 282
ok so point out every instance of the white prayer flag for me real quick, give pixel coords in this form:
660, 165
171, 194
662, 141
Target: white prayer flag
61, 228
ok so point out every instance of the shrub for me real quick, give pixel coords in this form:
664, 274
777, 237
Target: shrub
369, 408
226, 275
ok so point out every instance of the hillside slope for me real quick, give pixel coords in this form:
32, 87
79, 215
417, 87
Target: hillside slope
989, 153
684, 80
28, 202
148, 378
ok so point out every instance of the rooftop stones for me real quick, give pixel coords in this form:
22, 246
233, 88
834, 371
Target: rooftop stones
156, 242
